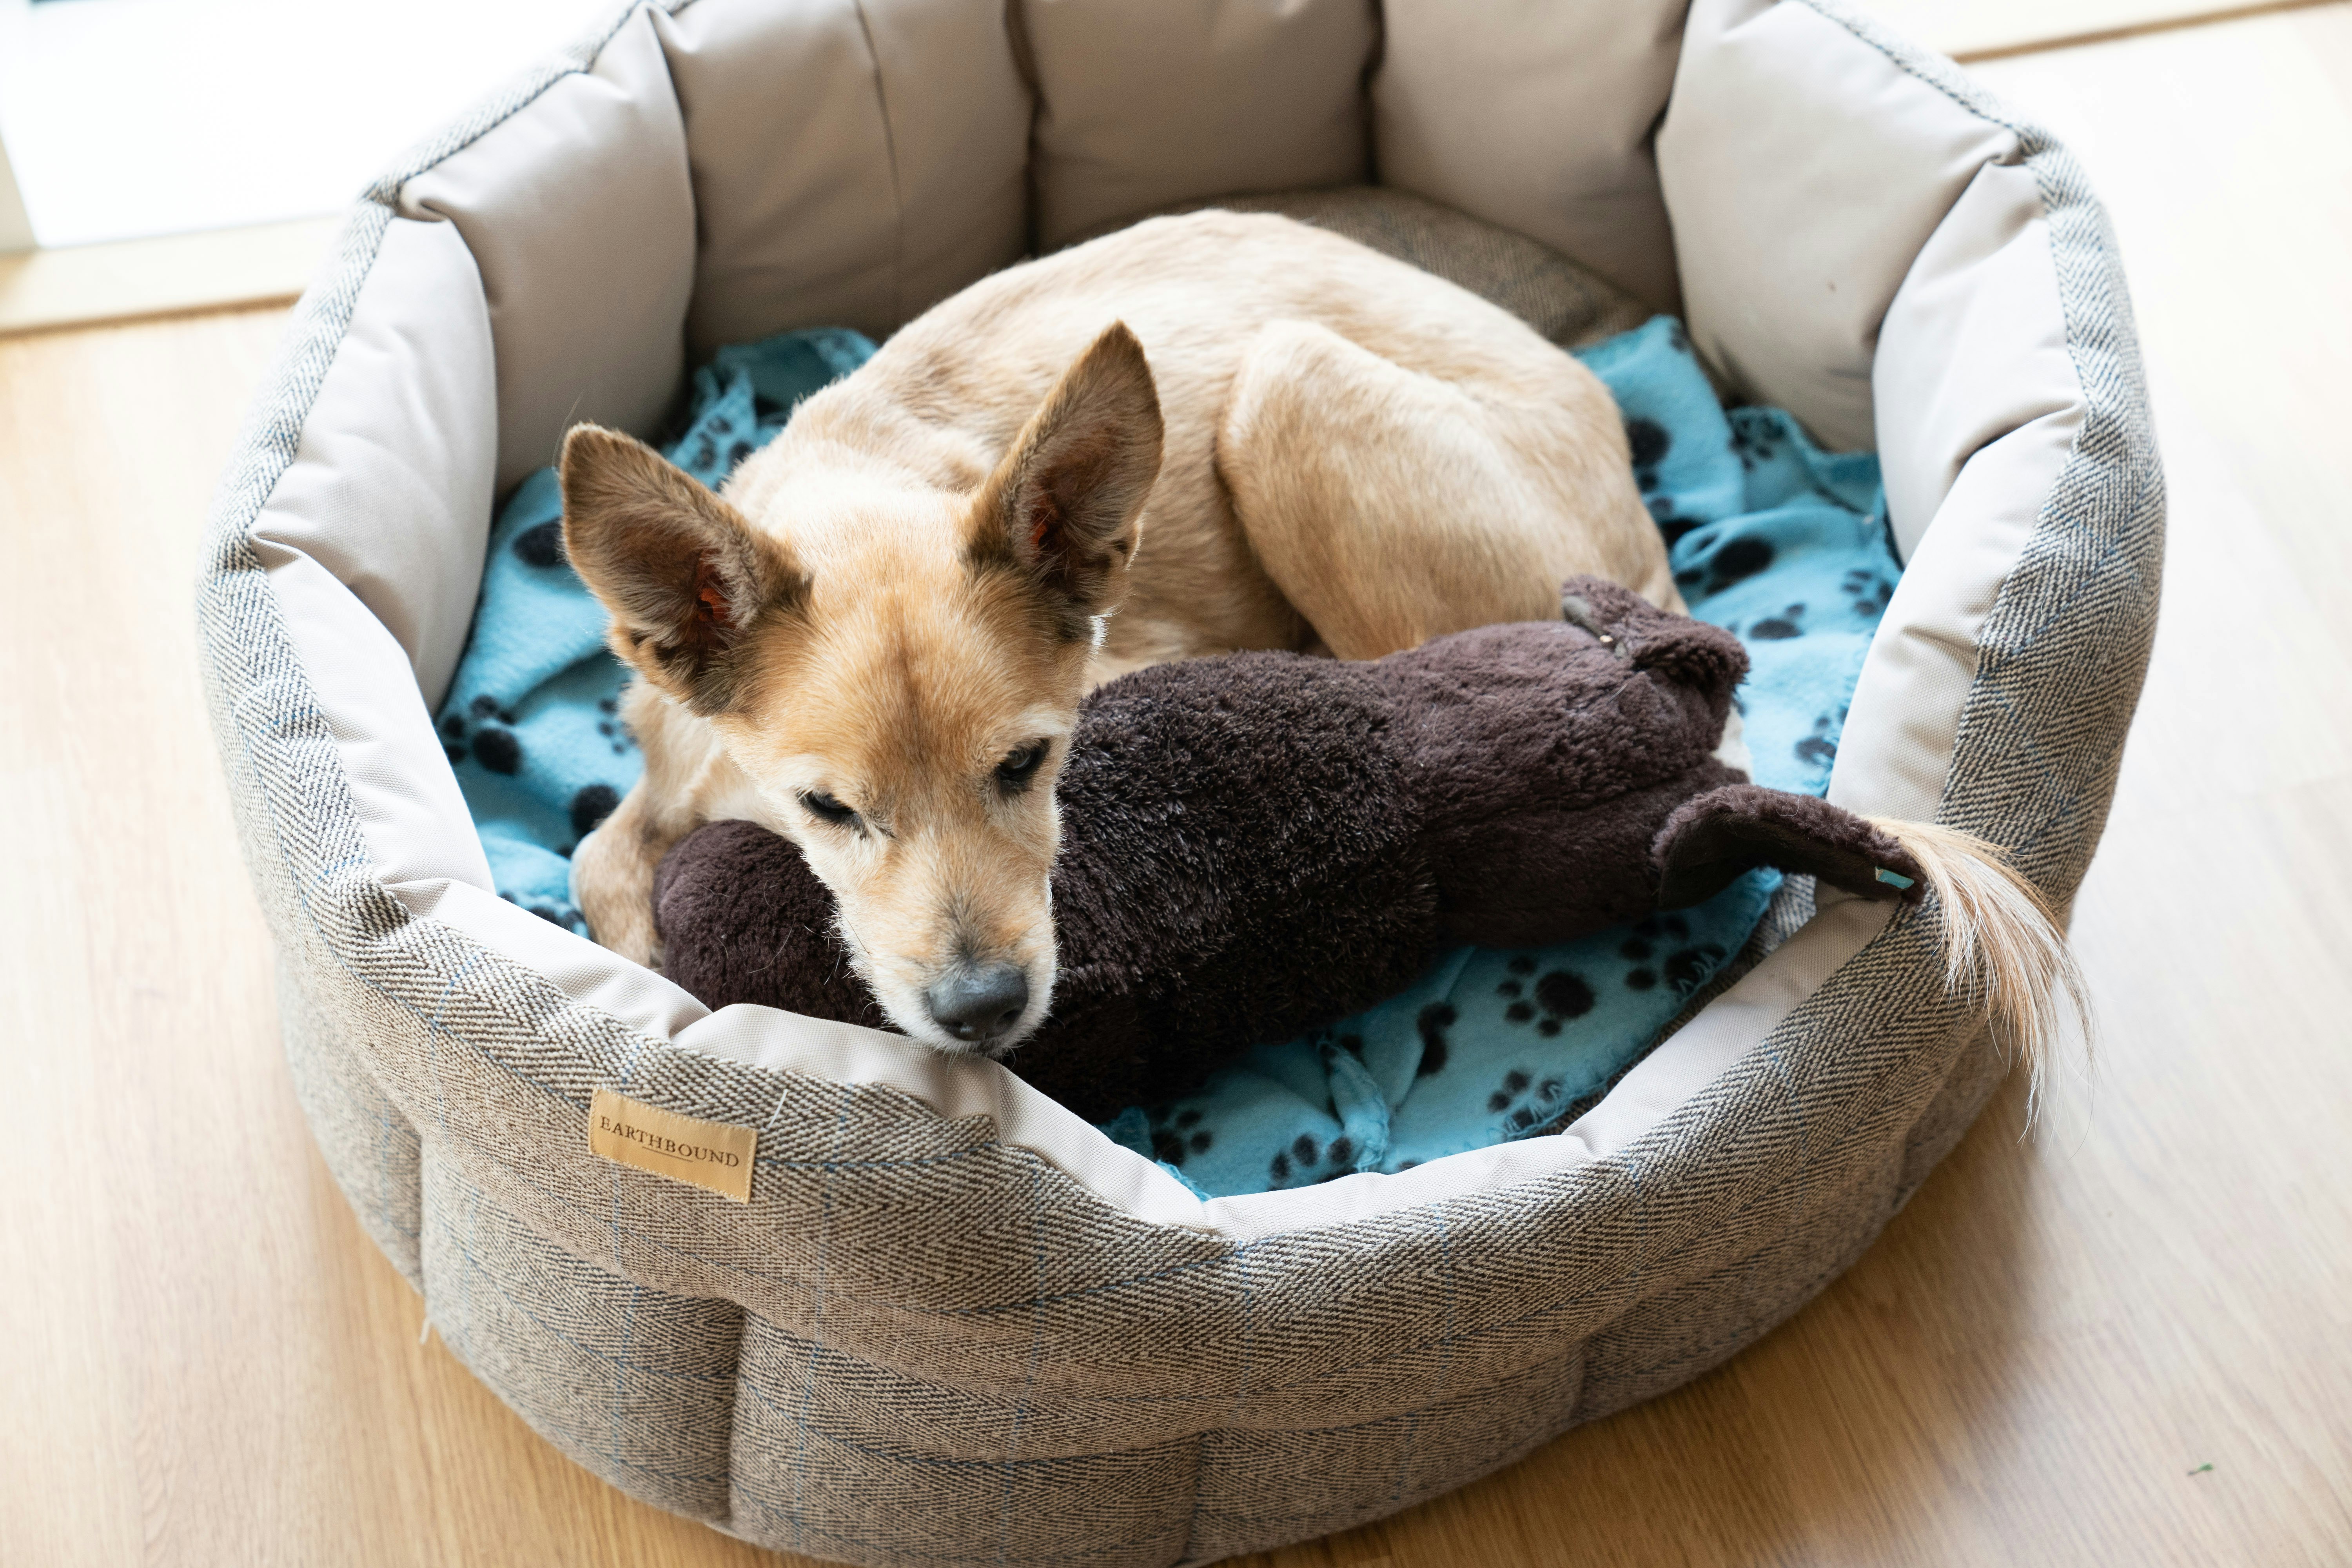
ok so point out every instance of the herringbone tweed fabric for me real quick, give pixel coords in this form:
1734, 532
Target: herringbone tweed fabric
920, 1345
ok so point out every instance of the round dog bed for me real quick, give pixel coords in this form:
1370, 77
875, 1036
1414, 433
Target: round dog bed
948, 1321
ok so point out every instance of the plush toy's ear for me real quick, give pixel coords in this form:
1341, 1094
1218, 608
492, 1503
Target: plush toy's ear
1687, 652
683, 574
1713, 837
1063, 506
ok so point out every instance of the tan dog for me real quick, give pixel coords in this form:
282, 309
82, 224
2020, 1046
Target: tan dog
1235, 431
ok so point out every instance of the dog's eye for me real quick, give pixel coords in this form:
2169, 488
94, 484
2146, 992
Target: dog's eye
1013, 774
824, 808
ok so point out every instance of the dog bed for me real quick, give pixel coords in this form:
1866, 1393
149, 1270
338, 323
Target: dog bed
1780, 542
947, 1321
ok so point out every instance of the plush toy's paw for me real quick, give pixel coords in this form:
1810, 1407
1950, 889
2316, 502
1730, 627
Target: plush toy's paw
1713, 837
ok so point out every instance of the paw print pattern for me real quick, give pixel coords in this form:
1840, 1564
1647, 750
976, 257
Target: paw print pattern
1754, 437
1661, 949
1174, 1136
590, 807
1738, 560
1432, 1024
1650, 443
1789, 623
1305, 1162
706, 456
1870, 591
1559, 995
1671, 524
1526, 1110
541, 547
488, 739
611, 727
1819, 750
1687, 968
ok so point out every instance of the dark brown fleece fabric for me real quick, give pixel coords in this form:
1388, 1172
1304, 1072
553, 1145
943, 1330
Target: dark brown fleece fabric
1258, 844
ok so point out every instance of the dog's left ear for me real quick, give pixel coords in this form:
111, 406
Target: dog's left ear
684, 575
1063, 505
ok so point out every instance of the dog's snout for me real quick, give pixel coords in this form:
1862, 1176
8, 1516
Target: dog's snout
978, 1004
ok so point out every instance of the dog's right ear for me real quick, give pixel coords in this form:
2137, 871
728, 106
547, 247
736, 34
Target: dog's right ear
1063, 507
684, 576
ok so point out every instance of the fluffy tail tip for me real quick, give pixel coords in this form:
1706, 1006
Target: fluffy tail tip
2003, 945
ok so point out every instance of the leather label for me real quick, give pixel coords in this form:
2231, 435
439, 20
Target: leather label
710, 1154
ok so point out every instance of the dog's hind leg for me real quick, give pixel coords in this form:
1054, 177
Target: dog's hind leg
1390, 505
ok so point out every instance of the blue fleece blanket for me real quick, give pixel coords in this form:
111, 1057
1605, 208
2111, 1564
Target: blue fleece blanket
1779, 541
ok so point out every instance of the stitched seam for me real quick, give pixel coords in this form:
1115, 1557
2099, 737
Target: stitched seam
890, 151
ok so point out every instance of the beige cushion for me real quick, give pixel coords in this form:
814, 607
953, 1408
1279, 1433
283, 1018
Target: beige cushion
406, 426
1536, 115
1144, 103
1794, 227
852, 165
578, 211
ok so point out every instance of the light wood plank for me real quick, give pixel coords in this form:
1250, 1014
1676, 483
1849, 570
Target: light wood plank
2033, 1365
1974, 30
78, 285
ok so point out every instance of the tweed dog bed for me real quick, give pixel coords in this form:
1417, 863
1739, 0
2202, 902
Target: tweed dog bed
952, 1322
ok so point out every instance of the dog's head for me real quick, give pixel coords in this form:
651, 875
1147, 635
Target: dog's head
900, 682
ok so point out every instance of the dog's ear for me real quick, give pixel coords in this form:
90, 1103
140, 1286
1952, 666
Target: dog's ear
1063, 506
684, 576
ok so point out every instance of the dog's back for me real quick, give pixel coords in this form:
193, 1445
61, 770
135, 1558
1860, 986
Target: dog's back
943, 399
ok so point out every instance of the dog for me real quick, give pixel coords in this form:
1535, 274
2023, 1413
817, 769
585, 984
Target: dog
1199, 435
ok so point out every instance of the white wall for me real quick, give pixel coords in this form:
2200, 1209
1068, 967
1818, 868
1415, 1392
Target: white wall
125, 117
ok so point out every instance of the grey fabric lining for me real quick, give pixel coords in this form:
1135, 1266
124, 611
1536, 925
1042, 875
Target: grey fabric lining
920, 1345
1569, 304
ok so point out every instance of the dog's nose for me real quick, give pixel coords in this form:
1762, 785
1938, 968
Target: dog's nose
978, 1004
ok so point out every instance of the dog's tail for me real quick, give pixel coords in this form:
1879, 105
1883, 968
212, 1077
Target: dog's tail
2003, 946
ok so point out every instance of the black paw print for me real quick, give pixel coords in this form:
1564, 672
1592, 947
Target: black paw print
1738, 560
706, 454
1174, 1137
611, 727
1820, 748
1869, 590
1649, 442
541, 546
490, 738
1671, 524
1432, 1024
1310, 1163
1687, 968
1753, 436
1789, 623
1560, 993
1511, 1091
591, 806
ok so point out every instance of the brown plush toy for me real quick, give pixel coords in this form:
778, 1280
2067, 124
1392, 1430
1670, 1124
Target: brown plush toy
1258, 844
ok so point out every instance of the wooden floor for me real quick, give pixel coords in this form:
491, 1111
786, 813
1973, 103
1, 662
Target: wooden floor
2127, 1341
